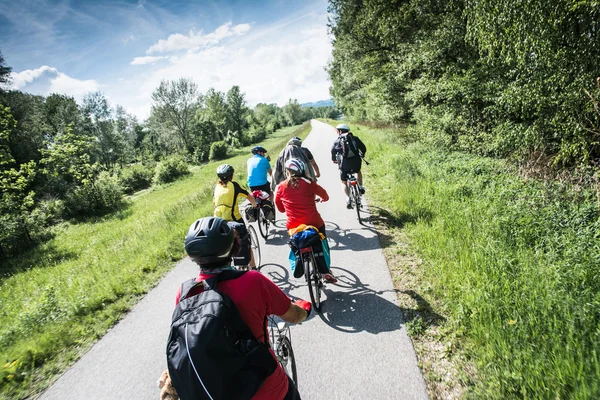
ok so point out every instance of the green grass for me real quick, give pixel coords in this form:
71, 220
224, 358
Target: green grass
70, 290
514, 262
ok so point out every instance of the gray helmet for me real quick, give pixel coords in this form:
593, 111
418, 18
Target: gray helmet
343, 127
209, 240
295, 141
225, 172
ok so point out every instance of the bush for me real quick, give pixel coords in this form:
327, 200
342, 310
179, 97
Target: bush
136, 177
170, 169
103, 194
218, 150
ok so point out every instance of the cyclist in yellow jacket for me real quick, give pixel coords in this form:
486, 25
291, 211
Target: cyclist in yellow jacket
225, 201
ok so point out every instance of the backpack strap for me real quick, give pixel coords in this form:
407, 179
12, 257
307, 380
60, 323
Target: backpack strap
210, 283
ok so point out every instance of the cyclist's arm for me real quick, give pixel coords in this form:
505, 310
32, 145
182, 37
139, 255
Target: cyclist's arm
321, 192
315, 167
294, 314
278, 202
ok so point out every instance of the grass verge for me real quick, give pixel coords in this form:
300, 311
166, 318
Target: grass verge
72, 289
497, 274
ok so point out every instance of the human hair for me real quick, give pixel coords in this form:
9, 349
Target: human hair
292, 180
223, 182
237, 245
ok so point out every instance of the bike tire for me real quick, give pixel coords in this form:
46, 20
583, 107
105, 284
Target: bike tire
254, 245
312, 279
285, 355
356, 194
263, 224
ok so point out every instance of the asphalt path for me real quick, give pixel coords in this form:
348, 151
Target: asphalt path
357, 348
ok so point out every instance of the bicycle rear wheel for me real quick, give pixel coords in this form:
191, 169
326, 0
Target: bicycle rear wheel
356, 195
285, 354
263, 224
254, 246
313, 279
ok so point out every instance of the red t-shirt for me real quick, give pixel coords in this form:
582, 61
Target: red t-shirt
299, 203
256, 297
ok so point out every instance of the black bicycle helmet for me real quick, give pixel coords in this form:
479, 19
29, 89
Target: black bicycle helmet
225, 172
209, 240
257, 149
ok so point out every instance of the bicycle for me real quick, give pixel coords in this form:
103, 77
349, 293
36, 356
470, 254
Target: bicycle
354, 191
281, 340
254, 245
314, 278
353, 187
261, 218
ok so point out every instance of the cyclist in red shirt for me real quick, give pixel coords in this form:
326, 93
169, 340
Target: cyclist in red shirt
296, 197
211, 243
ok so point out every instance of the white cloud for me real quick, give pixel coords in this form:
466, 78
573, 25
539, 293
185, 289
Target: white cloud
146, 60
55, 82
21, 79
73, 87
194, 41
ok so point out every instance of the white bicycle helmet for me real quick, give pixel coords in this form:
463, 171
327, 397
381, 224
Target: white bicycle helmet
295, 166
343, 127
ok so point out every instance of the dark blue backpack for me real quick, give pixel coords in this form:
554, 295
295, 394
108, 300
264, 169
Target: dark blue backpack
211, 352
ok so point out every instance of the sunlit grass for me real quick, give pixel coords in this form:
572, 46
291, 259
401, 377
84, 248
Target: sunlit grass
71, 289
514, 262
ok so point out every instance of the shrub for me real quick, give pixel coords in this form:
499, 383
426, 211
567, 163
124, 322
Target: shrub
170, 169
218, 150
103, 194
136, 177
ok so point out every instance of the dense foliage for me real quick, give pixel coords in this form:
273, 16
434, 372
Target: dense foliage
60, 159
494, 77
514, 261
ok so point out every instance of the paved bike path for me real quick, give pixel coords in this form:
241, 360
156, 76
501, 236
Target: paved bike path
356, 349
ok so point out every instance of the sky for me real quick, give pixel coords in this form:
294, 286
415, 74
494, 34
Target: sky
275, 50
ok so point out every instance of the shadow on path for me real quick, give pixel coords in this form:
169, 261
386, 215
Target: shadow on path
363, 309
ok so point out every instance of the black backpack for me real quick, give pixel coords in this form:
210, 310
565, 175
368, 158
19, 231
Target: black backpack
211, 352
348, 145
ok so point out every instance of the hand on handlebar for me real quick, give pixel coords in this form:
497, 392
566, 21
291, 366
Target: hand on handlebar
305, 305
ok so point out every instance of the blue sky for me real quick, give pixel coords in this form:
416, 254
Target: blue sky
274, 50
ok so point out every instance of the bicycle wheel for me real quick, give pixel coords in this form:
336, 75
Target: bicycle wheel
263, 224
356, 195
285, 355
313, 279
254, 246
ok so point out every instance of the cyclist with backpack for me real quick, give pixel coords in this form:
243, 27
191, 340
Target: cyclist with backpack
296, 141
296, 197
292, 150
218, 345
225, 201
347, 151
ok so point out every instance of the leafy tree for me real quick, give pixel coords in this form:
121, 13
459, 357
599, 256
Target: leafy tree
215, 112
4, 72
61, 111
175, 103
237, 110
293, 112
16, 196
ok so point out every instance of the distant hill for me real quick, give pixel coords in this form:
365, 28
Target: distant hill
321, 103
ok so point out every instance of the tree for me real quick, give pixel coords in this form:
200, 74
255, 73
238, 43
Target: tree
4, 72
176, 102
16, 196
292, 112
215, 112
236, 114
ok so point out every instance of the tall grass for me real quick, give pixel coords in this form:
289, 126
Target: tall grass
515, 262
66, 293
